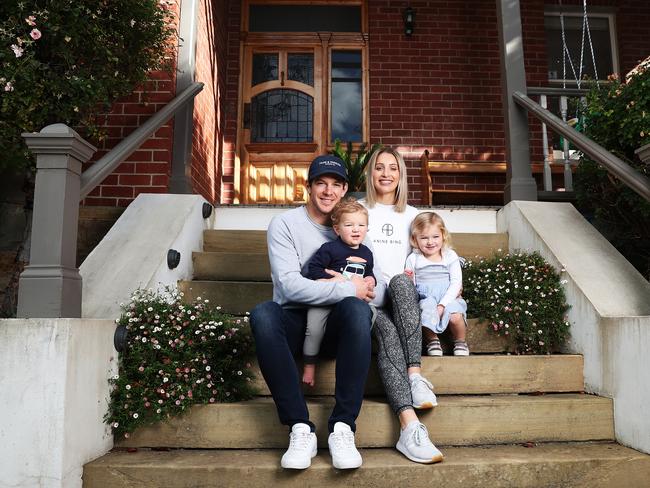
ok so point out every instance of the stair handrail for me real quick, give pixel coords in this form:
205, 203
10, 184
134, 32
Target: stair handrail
104, 166
51, 286
616, 166
556, 91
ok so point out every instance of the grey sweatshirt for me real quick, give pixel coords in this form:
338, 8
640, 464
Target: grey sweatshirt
292, 240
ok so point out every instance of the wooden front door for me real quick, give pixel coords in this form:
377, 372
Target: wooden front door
303, 85
282, 120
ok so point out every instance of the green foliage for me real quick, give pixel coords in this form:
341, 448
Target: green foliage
177, 355
66, 61
618, 118
355, 162
522, 298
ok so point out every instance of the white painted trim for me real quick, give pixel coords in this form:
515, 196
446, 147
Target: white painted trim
610, 307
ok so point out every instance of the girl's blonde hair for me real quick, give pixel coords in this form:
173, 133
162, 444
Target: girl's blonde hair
347, 206
425, 219
401, 193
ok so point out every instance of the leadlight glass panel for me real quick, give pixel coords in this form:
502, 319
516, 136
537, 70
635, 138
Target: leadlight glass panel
347, 96
282, 116
300, 67
265, 67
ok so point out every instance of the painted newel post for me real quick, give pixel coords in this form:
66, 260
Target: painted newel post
520, 184
50, 286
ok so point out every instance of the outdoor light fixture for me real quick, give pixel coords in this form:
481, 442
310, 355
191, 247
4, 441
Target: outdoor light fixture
206, 210
409, 18
173, 258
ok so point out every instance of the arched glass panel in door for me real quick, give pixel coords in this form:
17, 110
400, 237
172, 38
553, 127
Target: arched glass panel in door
282, 116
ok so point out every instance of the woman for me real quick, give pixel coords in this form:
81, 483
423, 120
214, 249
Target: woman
397, 327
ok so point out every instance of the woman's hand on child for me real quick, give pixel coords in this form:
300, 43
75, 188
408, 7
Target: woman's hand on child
409, 273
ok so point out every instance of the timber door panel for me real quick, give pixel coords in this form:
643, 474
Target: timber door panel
282, 121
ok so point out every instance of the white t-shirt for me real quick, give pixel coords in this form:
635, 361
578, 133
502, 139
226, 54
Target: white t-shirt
389, 232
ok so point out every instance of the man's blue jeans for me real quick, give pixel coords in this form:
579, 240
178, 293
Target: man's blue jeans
279, 334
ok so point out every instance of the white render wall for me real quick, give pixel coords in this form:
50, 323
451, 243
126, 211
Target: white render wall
610, 307
134, 252
477, 220
55, 392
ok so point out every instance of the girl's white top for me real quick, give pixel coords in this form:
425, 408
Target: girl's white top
426, 271
390, 231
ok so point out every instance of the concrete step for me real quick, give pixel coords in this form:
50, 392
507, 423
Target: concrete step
458, 375
231, 266
457, 420
235, 297
576, 465
254, 241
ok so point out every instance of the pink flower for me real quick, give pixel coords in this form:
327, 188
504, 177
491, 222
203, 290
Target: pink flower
18, 51
9, 87
31, 20
35, 34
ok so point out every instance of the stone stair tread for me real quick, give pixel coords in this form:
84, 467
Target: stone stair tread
233, 266
457, 375
593, 465
458, 420
467, 245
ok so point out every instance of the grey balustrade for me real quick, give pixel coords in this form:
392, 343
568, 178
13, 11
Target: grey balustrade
50, 286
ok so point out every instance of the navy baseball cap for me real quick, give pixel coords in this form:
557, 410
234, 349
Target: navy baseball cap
327, 165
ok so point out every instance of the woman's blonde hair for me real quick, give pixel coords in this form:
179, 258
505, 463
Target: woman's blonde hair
425, 219
401, 193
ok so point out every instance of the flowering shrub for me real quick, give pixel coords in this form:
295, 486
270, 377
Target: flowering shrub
177, 355
66, 61
617, 117
522, 298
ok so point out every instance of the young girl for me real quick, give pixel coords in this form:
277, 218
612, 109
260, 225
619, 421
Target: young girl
435, 269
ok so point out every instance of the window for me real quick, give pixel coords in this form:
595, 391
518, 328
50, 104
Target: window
601, 28
347, 104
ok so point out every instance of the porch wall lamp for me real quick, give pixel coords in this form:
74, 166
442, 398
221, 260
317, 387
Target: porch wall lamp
409, 20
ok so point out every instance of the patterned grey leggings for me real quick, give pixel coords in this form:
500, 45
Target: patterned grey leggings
399, 341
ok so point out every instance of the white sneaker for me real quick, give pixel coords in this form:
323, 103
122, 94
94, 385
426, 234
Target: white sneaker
302, 447
342, 449
414, 443
422, 392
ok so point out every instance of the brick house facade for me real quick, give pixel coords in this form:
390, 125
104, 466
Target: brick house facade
437, 90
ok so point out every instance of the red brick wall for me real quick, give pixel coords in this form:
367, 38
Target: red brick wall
147, 169
208, 141
438, 89
633, 21
232, 93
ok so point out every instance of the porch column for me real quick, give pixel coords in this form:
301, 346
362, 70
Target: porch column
520, 184
180, 180
50, 286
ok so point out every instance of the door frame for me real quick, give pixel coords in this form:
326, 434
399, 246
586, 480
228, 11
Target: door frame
326, 41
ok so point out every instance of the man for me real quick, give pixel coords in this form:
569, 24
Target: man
279, 325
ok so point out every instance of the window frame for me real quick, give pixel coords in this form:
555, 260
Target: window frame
594, 12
